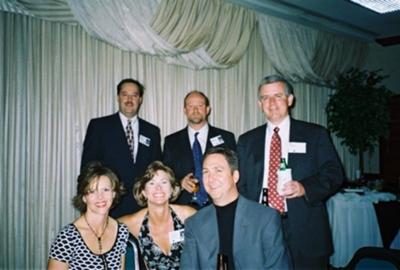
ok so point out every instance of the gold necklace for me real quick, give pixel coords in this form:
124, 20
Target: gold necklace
101, 235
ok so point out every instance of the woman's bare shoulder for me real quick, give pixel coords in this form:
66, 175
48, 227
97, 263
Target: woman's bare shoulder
133, 221
183, 211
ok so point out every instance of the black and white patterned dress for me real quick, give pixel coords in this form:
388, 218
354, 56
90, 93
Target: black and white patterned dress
70, 248
152, 254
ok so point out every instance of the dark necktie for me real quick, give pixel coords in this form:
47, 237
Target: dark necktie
130, 139
274, 200
201, 196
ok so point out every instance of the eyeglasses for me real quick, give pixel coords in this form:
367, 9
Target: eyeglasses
278, 96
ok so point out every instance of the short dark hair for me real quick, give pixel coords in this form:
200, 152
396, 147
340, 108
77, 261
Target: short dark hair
206, 100
230, 156
276, 78
130, 80
150, 172
91, 171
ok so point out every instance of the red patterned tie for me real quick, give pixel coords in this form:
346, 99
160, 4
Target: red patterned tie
274, 200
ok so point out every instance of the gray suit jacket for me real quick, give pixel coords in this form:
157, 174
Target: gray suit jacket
257, 242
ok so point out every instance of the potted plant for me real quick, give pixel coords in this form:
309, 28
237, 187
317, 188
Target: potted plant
357, 112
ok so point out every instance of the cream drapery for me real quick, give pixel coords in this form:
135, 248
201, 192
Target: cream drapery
195, 34
224, 30
55, 77
305, 54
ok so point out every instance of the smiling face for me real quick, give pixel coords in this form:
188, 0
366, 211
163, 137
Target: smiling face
274, 102
196, 110
219, 180
158, 190
129, 99
99, 196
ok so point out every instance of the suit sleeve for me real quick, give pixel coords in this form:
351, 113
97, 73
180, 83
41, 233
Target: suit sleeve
189, 258
231, 142
166, 156
329, 174
242, 184
275, 251
91, 144
157, 146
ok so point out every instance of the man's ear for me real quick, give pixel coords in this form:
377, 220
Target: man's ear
290, 100
236, 176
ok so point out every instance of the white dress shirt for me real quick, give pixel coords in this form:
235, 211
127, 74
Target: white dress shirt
202, 137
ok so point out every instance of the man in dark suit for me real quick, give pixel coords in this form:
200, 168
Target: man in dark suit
124, 142
248, 234
177, 152
316, 173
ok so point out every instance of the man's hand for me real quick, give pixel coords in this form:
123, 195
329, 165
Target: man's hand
293, 189
188, 182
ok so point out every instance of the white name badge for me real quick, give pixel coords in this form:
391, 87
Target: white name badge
297, 147
176, 236
144, 140
217, 140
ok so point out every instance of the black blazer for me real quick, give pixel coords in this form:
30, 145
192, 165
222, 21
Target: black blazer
105, 141
178, 153
320, 172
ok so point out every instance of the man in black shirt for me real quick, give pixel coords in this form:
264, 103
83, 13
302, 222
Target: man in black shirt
249, 234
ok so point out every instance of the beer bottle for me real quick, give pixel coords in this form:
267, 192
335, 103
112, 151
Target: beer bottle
282, 165
222, 262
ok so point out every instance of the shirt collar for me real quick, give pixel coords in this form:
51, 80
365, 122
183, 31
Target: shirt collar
282, 125
125, 119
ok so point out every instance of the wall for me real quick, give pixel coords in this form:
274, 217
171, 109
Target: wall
387, 59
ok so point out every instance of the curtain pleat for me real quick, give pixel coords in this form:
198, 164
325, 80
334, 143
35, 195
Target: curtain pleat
224, 30
304, 54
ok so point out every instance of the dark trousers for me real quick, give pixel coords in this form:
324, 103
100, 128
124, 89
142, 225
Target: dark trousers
299, 261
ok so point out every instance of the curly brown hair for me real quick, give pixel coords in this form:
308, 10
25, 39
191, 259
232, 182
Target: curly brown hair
91, 171
150, 172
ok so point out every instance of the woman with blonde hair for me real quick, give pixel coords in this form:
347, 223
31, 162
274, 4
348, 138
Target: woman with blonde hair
159, 226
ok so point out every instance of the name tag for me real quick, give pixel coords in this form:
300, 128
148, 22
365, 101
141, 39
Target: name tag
217, 140
176, 236
297, 147
144, 140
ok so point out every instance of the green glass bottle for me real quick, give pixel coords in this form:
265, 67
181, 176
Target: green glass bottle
282, 165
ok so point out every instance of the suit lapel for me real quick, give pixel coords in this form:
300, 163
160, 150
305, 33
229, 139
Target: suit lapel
119, 130
296, 135
241, 226
210, 238
186, 148
258, 150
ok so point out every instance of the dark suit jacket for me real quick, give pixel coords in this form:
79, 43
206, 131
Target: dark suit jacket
320, 172
178, 155
257, 241
105, 141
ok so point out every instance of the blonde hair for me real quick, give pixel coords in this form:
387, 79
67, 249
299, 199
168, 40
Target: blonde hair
150, 172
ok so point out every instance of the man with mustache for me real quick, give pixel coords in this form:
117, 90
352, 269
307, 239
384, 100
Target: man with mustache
124, 142
178, 146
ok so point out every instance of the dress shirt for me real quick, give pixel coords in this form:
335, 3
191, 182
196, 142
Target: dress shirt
202, 137
135, 128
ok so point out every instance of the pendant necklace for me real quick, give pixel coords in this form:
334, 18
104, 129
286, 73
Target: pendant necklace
95, 234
